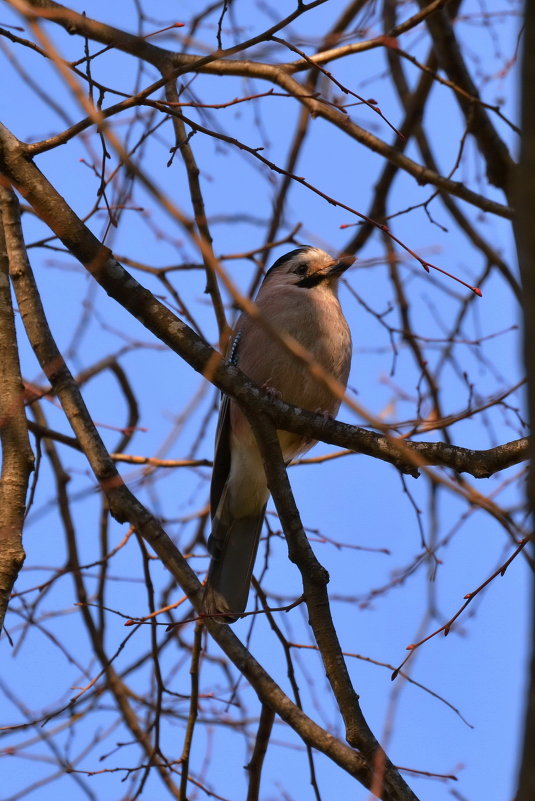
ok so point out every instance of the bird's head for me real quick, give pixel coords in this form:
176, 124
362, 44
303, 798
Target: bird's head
306, 268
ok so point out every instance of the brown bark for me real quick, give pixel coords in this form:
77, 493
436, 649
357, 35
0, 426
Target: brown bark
525, 236
17, 455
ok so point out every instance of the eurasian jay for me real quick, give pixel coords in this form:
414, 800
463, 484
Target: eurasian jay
299, 297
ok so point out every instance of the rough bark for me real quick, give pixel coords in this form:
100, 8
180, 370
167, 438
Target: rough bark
17, 456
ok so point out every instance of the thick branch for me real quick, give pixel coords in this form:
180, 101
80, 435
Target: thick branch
478, 463
525, 238
315, 579
17, 456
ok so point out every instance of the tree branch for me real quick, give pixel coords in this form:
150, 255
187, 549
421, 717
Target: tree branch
315, 579
17, 455
525, 241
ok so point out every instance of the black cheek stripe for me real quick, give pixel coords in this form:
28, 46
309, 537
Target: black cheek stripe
311, 280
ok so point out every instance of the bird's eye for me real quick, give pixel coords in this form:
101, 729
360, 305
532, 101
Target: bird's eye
301, 269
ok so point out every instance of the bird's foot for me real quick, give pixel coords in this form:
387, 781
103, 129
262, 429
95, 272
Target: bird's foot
273, 393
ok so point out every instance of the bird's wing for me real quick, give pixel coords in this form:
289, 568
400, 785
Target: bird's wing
221, 468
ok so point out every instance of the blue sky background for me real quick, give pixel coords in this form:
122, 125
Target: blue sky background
355, 501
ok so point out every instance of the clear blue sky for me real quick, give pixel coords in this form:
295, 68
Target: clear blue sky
355, 501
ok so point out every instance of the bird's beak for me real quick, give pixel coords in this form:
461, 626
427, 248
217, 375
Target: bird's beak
328, 274
340, 266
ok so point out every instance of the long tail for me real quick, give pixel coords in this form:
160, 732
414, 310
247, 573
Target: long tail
233, 545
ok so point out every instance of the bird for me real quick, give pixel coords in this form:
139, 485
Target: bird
299, 297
